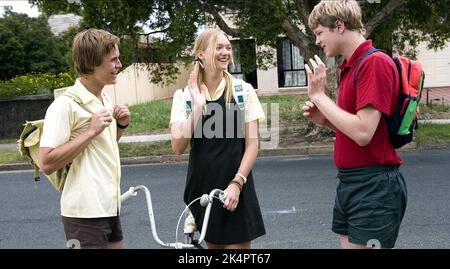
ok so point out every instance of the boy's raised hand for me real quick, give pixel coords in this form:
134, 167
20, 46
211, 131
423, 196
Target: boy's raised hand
317, 77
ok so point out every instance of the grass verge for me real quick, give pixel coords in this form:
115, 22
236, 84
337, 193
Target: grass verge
145, 149
11, 156
433, 135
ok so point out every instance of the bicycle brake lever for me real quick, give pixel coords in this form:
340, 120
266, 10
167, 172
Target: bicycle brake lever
222, 196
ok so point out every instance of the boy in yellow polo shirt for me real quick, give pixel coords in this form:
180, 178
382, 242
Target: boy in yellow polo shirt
85, 133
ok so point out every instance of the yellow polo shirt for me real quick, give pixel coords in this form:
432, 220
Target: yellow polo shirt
92, 188
253, 108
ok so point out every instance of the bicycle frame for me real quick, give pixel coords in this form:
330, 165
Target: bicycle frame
205, 200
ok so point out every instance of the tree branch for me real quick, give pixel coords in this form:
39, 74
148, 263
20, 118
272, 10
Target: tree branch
303, 11
154, 32
300, 39
382, 15
234, 32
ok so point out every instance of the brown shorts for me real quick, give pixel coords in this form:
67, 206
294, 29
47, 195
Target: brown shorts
92, 232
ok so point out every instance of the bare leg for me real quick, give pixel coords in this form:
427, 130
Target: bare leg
345, 244
114, 245
245, 245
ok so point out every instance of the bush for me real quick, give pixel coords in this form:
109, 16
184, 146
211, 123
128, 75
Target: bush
34, 84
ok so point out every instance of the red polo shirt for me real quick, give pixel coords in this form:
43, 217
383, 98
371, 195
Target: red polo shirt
378, 86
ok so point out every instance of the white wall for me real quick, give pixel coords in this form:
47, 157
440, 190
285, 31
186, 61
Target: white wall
134, 87
436, 65
267, 79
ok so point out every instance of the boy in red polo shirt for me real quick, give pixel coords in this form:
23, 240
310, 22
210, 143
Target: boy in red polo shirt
371, 195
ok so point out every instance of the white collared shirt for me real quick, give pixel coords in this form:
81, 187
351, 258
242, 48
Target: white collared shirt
253, 108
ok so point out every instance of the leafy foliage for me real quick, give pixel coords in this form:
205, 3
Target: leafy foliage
28, 46
173, 24
34, 84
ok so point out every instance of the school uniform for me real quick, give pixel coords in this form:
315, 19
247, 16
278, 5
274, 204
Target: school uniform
371, 194
90, 199
217, 148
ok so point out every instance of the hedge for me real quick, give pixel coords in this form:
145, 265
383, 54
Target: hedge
34, 84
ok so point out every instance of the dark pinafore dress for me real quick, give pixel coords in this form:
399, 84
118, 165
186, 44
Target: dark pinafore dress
213, 163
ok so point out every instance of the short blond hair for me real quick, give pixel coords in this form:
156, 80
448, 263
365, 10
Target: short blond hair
89, 47
205, 39
327, 13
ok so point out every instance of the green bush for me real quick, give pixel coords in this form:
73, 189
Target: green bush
34, 84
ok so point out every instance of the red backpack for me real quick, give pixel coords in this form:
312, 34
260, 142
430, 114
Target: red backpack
403, 122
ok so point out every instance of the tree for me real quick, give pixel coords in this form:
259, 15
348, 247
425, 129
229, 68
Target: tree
391, 24
28, 46
173, 26
173, 23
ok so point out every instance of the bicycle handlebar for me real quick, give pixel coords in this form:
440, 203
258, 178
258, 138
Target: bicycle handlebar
205, 200
128, 194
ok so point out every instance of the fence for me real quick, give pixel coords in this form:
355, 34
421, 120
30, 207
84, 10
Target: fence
440, 95
15, 111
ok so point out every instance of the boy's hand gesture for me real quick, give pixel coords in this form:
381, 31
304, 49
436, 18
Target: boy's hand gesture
317, 77
99, 121
122, 114
313, 113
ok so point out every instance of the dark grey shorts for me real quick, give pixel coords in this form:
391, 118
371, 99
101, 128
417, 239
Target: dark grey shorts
370, 204
92, 232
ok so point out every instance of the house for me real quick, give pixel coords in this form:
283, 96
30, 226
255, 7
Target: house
61, 23
289, 74
436, 64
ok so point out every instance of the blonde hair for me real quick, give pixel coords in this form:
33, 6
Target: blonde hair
89, 47
327, 13
209, 38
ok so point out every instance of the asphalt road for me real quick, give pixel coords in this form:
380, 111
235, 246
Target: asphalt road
296, 195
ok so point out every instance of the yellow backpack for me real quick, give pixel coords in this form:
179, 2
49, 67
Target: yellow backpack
29, 141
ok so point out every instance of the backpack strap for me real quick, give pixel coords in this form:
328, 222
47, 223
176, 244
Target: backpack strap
369, 52
77, 100
187, 101
238, 94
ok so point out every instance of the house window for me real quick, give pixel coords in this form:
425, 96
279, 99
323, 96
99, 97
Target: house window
249, 74
291, 65
236, 70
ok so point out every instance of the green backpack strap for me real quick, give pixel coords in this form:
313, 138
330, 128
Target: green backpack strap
238, 94
187, 101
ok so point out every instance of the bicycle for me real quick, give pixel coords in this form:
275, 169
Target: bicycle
206, 200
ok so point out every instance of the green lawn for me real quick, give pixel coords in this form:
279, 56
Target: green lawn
433, 135
434, 108
154, 117
11, 156
290, 108
146, 149
151, 117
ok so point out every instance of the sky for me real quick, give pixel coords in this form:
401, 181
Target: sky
19, 6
